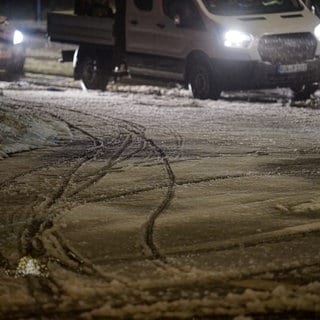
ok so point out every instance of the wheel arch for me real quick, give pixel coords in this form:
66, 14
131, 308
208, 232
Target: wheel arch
103, 54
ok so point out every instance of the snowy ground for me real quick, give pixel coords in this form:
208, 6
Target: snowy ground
151, 205
143, 203
21, 131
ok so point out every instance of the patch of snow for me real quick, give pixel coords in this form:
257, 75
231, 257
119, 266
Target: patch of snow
20, 131
312, 207
29, 266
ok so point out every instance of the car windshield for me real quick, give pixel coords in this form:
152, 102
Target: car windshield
249, 7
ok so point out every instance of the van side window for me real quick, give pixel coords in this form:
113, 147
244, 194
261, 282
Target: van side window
144, 5
184, 13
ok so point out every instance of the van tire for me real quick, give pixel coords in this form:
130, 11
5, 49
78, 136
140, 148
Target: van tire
94, 73
201, 79
303, 92
16, 70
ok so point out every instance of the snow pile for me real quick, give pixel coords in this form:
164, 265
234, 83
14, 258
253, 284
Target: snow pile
29, 266
22, 131
311, 207
169, 90
281, 299
240, 306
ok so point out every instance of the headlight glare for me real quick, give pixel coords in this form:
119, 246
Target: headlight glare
317, 32
237, 39
17, 37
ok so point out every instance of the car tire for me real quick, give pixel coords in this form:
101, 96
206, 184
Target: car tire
303, 92
201, 79
15, 71
94, 73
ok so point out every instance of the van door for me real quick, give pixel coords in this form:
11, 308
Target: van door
140, 32
177, 27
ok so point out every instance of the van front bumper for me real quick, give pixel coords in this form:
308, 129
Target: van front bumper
256, 75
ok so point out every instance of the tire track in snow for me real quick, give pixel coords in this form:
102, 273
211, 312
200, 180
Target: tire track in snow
139, 131
131, 192
148, 233
166, 186
30, 241
32, 235
285, 234
149, 226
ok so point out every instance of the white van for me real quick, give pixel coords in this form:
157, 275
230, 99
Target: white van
209, 45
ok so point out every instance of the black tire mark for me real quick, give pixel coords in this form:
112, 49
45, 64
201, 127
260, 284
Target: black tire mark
11, 180
31, 243
61, 192
97, 147
138, 131
179, 140
149, 226
128, 193
103, 171
148, 236
64, 187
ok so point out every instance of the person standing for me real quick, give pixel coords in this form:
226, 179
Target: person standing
102, 8
119, 33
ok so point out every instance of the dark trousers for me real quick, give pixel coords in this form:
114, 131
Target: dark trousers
119, 33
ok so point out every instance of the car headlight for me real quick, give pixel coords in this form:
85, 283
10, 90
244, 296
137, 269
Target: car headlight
17, 37
237, 39
317, 32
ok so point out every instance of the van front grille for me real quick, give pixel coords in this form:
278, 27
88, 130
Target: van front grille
287, 48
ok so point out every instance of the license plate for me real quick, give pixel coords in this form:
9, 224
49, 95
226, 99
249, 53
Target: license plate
293, 68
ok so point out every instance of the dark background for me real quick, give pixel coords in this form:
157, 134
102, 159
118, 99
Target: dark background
27, 9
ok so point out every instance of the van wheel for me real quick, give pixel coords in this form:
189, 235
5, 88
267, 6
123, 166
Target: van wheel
304, 92
13, 75
201, 80
15, 71
93, 73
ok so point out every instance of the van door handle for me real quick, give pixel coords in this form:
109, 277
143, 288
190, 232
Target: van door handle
161, 25
134, 22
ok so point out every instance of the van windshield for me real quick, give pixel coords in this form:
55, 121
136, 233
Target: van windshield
248, 7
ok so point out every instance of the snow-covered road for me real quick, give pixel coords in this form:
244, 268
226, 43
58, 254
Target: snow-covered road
141, 202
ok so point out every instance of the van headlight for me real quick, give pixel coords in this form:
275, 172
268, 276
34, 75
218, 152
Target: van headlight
237, 39
17, 37
317, 32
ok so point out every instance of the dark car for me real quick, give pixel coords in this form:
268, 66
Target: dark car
12, 48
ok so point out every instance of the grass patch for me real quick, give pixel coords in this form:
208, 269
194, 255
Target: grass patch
49, 67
